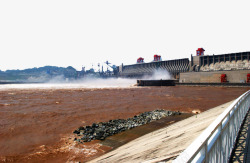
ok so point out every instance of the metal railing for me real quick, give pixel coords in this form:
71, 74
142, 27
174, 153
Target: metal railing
216, 142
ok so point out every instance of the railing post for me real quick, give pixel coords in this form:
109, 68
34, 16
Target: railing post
220, 143
206, 153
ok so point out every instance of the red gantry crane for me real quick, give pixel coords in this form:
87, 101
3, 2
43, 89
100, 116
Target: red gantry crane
157, 58
140, 60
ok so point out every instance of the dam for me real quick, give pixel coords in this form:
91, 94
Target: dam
221, 68
140, 69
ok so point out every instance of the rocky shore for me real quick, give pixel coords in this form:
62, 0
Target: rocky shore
99, 131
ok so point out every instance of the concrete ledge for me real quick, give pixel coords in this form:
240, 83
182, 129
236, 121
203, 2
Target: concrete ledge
156, 82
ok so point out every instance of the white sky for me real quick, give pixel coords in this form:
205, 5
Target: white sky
35, 33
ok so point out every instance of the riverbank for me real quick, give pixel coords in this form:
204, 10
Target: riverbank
164, 144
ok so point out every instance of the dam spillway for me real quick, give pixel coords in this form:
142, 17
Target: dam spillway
140, 69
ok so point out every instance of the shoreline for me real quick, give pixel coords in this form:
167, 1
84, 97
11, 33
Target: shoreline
164, 144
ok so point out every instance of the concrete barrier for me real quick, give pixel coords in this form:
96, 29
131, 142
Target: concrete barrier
156, 82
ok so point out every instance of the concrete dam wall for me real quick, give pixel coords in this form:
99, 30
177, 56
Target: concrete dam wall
232, 61
237, 76
201, 69
140, 69
208, 68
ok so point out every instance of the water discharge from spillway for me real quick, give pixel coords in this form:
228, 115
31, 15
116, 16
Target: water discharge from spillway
158, 75
88, 82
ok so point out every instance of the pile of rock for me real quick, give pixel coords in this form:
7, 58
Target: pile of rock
102, 130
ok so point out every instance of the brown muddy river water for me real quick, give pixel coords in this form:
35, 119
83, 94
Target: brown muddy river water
36, 125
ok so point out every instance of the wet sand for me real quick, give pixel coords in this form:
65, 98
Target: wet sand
36, 125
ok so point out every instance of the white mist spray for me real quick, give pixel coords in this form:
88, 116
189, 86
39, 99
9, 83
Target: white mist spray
60, 83
158, 75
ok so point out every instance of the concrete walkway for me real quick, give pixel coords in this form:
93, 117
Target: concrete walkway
164, 144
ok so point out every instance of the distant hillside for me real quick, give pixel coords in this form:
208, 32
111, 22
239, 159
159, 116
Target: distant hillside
41, 74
